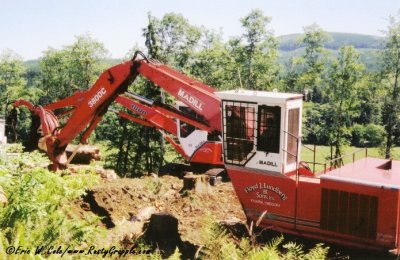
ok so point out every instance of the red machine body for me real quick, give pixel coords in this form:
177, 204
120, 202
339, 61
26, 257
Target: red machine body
357, 205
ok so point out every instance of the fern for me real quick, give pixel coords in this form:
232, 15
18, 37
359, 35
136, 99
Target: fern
37, 204
245, 246
317, 253
269, 251
217, 243
264, 253
176, 255
274, 243
293, 251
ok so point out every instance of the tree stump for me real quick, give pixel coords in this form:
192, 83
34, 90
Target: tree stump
162, 233
199, 183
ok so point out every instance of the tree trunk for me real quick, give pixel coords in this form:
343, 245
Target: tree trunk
128, 148
121, 148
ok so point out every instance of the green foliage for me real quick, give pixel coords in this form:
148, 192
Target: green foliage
214, 65
318, 252
367, 135
313, 63
369, 98
13, 86
217, 244
256, 58
14, 148
391, 71
38, 212
344, 76
12, 82
317, 117
171, 39
75, 67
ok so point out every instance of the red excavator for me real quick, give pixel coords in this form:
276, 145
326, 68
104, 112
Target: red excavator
357, 204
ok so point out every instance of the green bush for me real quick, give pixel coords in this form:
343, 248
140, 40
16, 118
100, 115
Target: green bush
38, 211
367, 135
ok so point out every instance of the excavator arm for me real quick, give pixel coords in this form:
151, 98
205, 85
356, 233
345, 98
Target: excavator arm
196, 95
86, 108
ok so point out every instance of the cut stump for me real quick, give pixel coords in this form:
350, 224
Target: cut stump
199, 183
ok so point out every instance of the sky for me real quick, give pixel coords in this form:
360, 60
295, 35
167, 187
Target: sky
29, 27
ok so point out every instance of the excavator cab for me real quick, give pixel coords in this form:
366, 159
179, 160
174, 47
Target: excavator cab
189, 136
261, 130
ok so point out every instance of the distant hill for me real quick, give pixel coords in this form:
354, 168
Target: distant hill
290, 42
367, 45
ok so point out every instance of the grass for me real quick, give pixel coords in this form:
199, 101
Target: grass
323, 154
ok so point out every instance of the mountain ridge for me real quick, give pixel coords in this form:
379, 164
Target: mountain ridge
290, 42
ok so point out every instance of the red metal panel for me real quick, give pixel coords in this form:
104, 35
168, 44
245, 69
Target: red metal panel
263, 191
196, 96
97, 97
209, 152
159, 120
309, 201
386, 227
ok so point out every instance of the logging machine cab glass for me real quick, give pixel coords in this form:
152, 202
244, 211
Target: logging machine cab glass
261, 129
190, 137
240, 125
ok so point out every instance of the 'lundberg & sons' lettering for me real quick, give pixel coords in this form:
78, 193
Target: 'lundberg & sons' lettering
265, 186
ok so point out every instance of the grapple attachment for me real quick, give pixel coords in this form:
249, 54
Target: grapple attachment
49, 127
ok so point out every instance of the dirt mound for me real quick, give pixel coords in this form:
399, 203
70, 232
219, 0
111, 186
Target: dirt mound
125, 203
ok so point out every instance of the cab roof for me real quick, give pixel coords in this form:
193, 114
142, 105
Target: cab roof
257, 96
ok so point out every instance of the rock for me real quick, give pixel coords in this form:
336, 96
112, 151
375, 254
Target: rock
107, 173
127, 231
145, 213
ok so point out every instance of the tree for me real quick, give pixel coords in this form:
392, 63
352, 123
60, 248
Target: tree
344, 75
370, 96
258, 55
12, 82
213, 63
391, 72
75, 67
13, 86
172, 39
314, 61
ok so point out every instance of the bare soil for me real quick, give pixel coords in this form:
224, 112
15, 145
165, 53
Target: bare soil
122, 204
